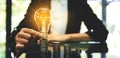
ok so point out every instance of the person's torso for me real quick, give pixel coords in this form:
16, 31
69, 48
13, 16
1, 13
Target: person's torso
65, 15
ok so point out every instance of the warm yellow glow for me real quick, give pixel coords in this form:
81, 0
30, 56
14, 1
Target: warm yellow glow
42, 18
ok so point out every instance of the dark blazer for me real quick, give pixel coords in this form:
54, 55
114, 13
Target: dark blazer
78, 11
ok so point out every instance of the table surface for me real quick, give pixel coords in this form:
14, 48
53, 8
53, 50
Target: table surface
90, 47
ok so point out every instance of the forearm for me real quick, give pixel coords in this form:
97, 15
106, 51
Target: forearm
77, 37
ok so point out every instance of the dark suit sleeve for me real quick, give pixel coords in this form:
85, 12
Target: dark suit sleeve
96, 29
27, 22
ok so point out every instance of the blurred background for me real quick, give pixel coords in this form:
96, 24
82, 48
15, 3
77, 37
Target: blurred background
106, 10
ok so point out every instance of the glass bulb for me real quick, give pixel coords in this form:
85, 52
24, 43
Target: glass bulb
42, 19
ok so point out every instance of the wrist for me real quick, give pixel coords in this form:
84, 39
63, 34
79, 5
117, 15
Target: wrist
68, 37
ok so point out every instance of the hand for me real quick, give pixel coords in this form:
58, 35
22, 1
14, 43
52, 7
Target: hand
22, 37
57, 37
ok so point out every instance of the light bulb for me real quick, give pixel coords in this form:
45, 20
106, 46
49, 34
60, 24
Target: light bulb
42, 19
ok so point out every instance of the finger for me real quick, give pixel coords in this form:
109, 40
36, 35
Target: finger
24, 35
21, 40
38, 41
52, 39
32, 32
20, 45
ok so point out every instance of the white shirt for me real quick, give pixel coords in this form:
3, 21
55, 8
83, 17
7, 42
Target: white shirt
59, 16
